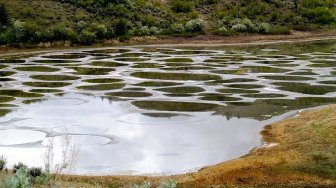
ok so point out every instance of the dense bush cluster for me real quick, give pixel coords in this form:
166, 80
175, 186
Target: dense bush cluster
90, 21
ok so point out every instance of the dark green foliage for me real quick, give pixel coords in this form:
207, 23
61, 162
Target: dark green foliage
3, 163
320, 15
4, 16
180, 6
280, 30
19, 166
121, 27
90, 21
35, 171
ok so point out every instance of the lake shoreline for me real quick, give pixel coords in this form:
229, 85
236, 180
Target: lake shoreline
202, 40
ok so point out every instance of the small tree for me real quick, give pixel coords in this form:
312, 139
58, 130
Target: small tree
121, 27
4, 16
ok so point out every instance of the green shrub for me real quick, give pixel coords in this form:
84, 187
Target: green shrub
4, 16
168, 184
320, 15
195, 25
3, 163
43, 179
239, 28
155, 31
263, 28
177, 28
87, 37
145, 184
312, 3
18, 30
144, 31
19, 166
180, 6
100, 30
208, 2
121, 27
248, 24
280, 30
21, 179
223, 31
35, 171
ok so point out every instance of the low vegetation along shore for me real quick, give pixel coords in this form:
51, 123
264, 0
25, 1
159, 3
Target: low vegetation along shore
84, 22
300, 152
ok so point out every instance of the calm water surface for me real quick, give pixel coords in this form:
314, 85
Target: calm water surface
146, 110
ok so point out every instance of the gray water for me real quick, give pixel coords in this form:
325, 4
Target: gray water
154, 110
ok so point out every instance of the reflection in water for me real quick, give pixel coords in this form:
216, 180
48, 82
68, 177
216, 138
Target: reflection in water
120, 138
157, 110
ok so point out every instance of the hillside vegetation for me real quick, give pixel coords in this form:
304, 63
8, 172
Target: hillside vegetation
89, 21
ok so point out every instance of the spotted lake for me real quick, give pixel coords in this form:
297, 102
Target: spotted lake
152, 109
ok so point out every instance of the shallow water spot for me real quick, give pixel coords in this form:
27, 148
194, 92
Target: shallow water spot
303, 73
157, 84
45, 90
32, 101
235, 71
286, 77
54, 77
178, 60
233, 80
103, 80
65, 56
139, 54
134, 89
129, 94
175, 106
37, 69
301, 102
305, 88
178, 95
145, 65
265, 95
218, 97
182, 89
92, 71
132, 59
47, 84
186, 52
186, 68
233, 91
102, 87
332, 82
108, 64
54, 61
6, 79
109, 51
216, 60
175, 76
264, 69
12, 61
4, 99
19, 93
245, 86
6, 73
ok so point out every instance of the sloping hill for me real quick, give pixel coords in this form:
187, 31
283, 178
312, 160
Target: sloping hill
87, 21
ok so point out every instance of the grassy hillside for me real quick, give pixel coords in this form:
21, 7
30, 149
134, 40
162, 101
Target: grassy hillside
88, 21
